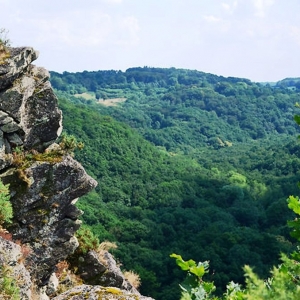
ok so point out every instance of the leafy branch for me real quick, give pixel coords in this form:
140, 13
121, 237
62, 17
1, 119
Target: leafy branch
283, 284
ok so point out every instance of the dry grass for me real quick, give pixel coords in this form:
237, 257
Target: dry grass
4, 54
133, 278
61, 269
104, 247
67, 279
35, 294
5, 234
105, 102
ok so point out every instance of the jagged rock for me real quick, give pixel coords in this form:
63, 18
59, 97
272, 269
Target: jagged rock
87, 292
113, 276
19, 60
41, 210
32, 106
13, 140
10, 126
11, 259
72, 211
43, 192
29, 114
102, 271
90, 269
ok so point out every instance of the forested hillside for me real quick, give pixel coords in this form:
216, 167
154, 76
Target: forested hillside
183, 109
186, 162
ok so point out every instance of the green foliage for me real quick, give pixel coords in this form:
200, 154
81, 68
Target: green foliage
9, 288
211, 184
283, 284
150, 201
294, 205
69, 143
183, 110
194, 287
285, 280
24, 159
6, 211
87, 240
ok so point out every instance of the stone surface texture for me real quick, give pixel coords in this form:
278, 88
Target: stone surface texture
11, 257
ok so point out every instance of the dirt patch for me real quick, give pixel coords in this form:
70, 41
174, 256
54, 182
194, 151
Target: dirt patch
85, 96
111, 102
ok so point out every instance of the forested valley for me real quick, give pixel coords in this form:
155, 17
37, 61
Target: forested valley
186, 162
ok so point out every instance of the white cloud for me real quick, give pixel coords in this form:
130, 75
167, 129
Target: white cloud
229, 7
128, 29
215, 25
294, 32
73, 30
261, 6
211, 18
101, 30
110, 34
226, 6
113, 1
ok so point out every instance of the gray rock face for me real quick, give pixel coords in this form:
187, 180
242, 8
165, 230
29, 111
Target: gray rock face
43, 193
104, 272
90, 269
44, 213
29, 115
20, 59
31, 109
114, 276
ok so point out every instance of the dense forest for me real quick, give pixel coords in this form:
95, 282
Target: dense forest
186, 162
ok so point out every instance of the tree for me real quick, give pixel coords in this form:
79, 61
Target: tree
283, 284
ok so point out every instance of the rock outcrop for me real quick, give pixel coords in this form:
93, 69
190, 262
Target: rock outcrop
101, 269
42, 192
44, 182
45, 216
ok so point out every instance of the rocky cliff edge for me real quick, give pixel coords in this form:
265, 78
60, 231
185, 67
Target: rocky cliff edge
44, 183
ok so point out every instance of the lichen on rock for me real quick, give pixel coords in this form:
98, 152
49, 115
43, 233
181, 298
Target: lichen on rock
87, 292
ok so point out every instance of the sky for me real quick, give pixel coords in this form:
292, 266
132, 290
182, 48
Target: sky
254, 39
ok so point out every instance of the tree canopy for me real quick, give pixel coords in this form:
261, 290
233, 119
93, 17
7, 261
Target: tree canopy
190, 163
